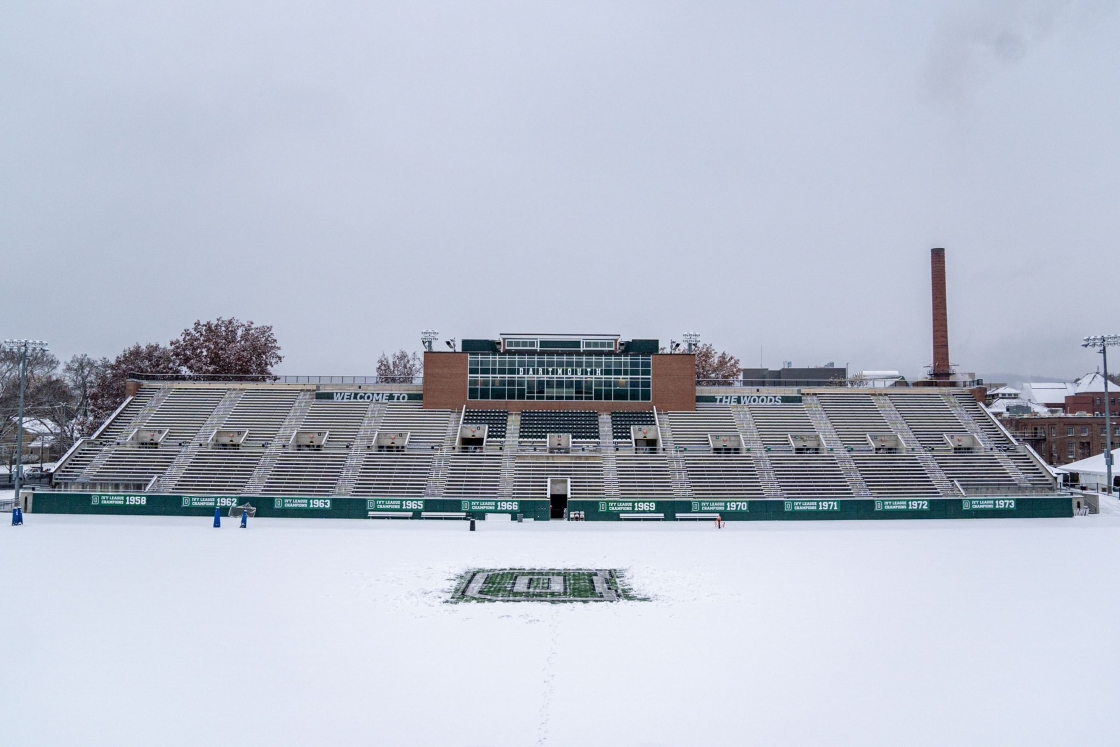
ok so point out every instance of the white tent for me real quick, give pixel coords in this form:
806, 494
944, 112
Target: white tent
1091, 471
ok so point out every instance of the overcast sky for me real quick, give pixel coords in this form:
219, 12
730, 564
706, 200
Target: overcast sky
770, 175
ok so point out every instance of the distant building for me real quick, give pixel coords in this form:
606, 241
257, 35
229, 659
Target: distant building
1060, 438
790, 376
879, 379
1051, 394
1062, 421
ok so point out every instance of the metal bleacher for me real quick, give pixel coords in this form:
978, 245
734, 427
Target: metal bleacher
347, 455
494, 420
537, 424
622, 421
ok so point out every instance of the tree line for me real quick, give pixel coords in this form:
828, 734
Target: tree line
66, 401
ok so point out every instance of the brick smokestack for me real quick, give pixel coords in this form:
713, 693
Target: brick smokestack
940, 370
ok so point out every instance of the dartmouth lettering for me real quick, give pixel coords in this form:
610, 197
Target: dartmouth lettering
559, 372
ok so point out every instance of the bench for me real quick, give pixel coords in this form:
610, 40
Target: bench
443, 515
390, 514
641, 517
697, 517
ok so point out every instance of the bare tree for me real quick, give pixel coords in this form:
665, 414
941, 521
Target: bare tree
227, 347
401, 368
75, 415
107, 393
715, 366
43, 389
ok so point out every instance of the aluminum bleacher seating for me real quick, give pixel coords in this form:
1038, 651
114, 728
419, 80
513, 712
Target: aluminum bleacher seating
722, 476
495, 421
534, 470
621, 422
306, 473
775, 423
809, 475
691, 429
890, 475
928, 417
762, 462
473, 475
261, 412
643, 475
392, 475
537, 424
853, 416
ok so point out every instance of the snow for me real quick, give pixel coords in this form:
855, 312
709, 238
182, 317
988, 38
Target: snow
152, 630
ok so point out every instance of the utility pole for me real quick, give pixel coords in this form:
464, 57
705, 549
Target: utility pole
24, 347
1103, 343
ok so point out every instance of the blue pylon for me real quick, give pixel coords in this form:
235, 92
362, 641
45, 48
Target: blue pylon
17, 517
245, 518
217, 517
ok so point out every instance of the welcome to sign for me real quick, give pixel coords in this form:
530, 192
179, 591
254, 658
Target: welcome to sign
357, 396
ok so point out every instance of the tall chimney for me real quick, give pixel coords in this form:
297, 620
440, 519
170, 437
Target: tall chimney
941, 371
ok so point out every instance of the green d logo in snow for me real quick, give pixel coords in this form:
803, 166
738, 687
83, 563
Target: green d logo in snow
541, 585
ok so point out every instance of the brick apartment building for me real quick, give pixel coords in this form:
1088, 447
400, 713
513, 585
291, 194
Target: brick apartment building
1061, 439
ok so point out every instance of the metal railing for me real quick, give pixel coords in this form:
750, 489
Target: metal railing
773, 383
277, 379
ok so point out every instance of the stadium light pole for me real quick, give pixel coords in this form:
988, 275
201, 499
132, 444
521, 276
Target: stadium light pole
692, 339
1103, 343
24, 347
427, 337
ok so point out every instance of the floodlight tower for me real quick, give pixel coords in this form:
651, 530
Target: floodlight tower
427, 337
24, 347
692, 340
1103, 343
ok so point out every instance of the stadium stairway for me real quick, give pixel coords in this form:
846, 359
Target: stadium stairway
678, 473
212, 423
748, 431
610, 461
437, 476
102, 457
362, 443
509, 455
975, 430
897, 425
277, 445
831, 440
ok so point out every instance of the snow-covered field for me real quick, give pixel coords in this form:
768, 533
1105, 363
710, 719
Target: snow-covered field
165, 631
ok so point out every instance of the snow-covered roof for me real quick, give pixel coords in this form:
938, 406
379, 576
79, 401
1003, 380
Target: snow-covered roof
999, 407
1047, 391
1093, 382
1004, 391
37, 426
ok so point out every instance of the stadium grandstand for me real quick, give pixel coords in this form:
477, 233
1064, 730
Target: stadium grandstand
552, 426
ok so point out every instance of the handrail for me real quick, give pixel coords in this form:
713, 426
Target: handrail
278, 379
